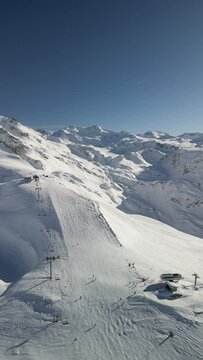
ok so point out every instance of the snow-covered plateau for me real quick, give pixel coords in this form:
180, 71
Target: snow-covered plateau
84, 242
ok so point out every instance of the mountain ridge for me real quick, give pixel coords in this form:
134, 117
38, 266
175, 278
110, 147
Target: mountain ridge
137, 165
111, 219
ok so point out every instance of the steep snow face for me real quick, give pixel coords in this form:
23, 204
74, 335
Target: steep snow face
25, 142
20, 245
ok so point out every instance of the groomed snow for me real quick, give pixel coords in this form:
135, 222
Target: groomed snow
106, 309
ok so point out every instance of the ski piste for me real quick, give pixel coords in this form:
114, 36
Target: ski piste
92, 219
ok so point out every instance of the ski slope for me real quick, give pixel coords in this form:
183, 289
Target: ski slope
105, 317
105, 308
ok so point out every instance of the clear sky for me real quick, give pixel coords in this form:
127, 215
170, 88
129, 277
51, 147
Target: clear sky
132, 65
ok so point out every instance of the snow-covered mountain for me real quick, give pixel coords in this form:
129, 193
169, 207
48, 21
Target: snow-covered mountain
119, 209
158, 176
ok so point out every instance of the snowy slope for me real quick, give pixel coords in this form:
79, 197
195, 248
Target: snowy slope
91, 210
126, 167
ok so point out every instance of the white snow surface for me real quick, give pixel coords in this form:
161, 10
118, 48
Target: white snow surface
104, 201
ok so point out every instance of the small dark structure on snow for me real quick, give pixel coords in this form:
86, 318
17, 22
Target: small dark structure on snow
171, 277
36, 177
28, 178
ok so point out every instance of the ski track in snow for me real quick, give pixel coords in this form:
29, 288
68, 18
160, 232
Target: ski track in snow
106, 309
100, 321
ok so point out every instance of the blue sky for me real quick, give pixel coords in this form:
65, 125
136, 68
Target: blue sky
123, 64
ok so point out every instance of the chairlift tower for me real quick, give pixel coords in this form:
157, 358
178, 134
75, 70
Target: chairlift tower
38, 194
50, 259
196, 277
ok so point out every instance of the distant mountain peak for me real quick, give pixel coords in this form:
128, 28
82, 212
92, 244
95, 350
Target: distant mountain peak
156, 135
